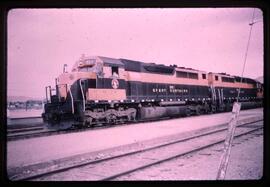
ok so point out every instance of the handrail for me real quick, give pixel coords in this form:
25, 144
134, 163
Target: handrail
82, 95
46, 88
46, 94
72, 102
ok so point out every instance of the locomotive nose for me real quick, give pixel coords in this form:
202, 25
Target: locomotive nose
54, 121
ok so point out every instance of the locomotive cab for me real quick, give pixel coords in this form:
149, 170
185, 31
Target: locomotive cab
92, 80
65, 100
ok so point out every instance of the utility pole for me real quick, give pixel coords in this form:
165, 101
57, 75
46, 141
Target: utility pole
232, 124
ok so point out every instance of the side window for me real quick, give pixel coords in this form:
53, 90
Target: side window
216, 77
193, 75
181, 74
188, 75
115, 71
204, 76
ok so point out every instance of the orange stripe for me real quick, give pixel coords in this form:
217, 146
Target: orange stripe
166, 79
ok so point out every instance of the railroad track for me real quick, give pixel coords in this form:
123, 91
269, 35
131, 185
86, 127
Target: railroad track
25, 131
21, 129
114, 166
40, 130
24, 122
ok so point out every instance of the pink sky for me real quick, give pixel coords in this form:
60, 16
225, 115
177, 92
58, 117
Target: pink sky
40, 41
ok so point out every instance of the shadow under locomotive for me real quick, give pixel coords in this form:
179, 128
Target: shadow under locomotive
102, 90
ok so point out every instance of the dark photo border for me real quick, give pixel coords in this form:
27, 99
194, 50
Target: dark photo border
7, 5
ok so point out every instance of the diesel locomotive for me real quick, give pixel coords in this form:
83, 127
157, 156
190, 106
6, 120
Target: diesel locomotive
102, 90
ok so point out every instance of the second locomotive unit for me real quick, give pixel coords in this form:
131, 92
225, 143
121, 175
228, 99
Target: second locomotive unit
107, 90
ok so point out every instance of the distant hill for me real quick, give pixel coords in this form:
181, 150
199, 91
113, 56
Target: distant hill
260, 79
21, 98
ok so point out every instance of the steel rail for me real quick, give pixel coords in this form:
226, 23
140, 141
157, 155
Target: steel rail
26, 129
174, 157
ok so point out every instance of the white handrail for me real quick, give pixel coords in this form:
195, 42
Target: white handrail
82, 95
72, 103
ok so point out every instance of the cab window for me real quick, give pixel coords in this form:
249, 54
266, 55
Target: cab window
115, 71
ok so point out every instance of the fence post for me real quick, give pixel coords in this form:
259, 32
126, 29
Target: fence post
228, 142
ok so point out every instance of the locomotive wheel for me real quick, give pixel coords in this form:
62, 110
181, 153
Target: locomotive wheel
187, 112
111, 119
206, 109
89, 122
213, 109
129, 117
228, 108
198, 110
108, 119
